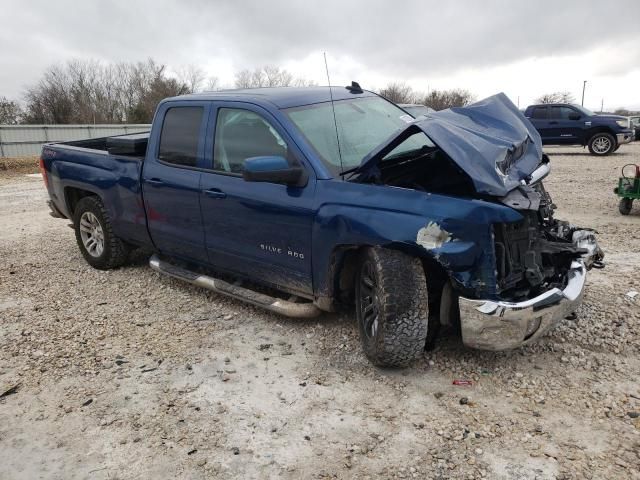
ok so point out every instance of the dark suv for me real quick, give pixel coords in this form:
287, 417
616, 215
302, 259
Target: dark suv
568, 124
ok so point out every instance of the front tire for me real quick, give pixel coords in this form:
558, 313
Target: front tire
625, 206
99, 246
391, 307
602, 144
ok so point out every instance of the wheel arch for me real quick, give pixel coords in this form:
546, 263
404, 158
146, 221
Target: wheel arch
345, 259
72, 195
599, 129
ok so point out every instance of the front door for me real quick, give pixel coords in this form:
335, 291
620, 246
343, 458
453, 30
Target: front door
565, 125
258, 230
171, 180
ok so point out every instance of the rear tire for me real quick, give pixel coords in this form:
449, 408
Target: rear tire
625, 206
100, 247
602, 144
391, 307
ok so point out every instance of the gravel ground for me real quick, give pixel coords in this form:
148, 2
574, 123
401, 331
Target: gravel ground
128, 374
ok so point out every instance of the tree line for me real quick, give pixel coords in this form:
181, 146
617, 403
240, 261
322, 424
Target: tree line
88, 91
436, 99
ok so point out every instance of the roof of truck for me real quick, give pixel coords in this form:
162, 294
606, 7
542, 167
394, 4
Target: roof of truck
281, 97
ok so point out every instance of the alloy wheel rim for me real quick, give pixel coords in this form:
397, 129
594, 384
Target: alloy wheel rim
369, 301
601, 144
91, 234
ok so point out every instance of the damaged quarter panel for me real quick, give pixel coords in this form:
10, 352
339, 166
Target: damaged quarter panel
454, 232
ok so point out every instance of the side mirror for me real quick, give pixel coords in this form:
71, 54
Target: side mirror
273, 169
574, 116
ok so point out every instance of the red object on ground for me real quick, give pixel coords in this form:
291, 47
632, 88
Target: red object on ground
463, 382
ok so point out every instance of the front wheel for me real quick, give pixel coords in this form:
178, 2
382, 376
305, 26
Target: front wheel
391, 307
602, 144
99, 246
625, 206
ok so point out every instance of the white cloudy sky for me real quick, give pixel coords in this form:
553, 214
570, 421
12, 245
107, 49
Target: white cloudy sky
522, 48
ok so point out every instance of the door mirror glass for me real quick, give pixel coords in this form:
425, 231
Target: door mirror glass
574, 116
273, 169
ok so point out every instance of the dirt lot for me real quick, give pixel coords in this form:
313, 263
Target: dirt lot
128, 374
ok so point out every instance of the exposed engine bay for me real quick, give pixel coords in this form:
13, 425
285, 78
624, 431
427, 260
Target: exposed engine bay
535, 254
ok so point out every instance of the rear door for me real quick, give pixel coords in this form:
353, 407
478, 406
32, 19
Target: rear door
565, 125
171, 179
540, 122
258, 230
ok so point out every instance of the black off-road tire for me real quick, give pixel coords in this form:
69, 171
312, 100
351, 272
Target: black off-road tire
115, 251
393, 285
594, 147
625, 206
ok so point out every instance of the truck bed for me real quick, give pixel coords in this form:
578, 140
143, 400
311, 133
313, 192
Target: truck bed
134, 144
86, 167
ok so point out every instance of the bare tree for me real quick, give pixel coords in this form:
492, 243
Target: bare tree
193, 77
10, 112
304, 82
442, 99
399, 93
556, 97
269, 76
213, 83
88, 91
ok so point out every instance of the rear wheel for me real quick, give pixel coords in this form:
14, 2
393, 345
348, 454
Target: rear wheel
625, 205
391, 307
602, 144
99, 245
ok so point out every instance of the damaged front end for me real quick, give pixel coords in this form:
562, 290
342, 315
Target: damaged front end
489, 152
541, 266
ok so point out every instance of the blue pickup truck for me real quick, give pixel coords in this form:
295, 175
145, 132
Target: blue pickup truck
301, 200
568, 124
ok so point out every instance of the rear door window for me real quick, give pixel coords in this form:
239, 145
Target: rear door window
539, 112
180, 135
561, 113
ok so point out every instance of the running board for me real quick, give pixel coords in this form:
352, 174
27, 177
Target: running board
282, 307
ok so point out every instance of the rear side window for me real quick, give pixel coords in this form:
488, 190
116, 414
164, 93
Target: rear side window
180, 135
539, 112
562, 112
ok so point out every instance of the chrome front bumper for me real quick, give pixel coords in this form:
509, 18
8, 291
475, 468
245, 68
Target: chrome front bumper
498, 325
625, 137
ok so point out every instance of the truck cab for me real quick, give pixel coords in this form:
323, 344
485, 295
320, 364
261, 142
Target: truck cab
569, 124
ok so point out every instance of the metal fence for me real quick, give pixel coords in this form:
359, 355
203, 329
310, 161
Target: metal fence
27, 140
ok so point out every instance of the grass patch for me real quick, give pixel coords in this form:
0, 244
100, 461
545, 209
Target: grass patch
17, 165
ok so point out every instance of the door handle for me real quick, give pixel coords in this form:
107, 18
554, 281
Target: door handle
553, 123
155, 181
214, 193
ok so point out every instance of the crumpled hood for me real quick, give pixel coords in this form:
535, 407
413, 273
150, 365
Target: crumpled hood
490, 140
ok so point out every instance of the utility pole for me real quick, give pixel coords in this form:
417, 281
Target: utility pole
584, 85
518, 101
602, 105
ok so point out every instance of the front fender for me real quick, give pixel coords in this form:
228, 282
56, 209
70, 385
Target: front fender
454, 232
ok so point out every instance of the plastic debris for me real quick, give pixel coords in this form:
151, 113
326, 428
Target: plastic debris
462, 382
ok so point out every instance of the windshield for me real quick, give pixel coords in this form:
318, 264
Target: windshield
363, 124
585, 111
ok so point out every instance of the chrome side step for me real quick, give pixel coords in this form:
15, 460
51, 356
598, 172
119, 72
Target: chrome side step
282, 307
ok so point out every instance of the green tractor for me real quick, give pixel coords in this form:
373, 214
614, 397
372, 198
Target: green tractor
628, 188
